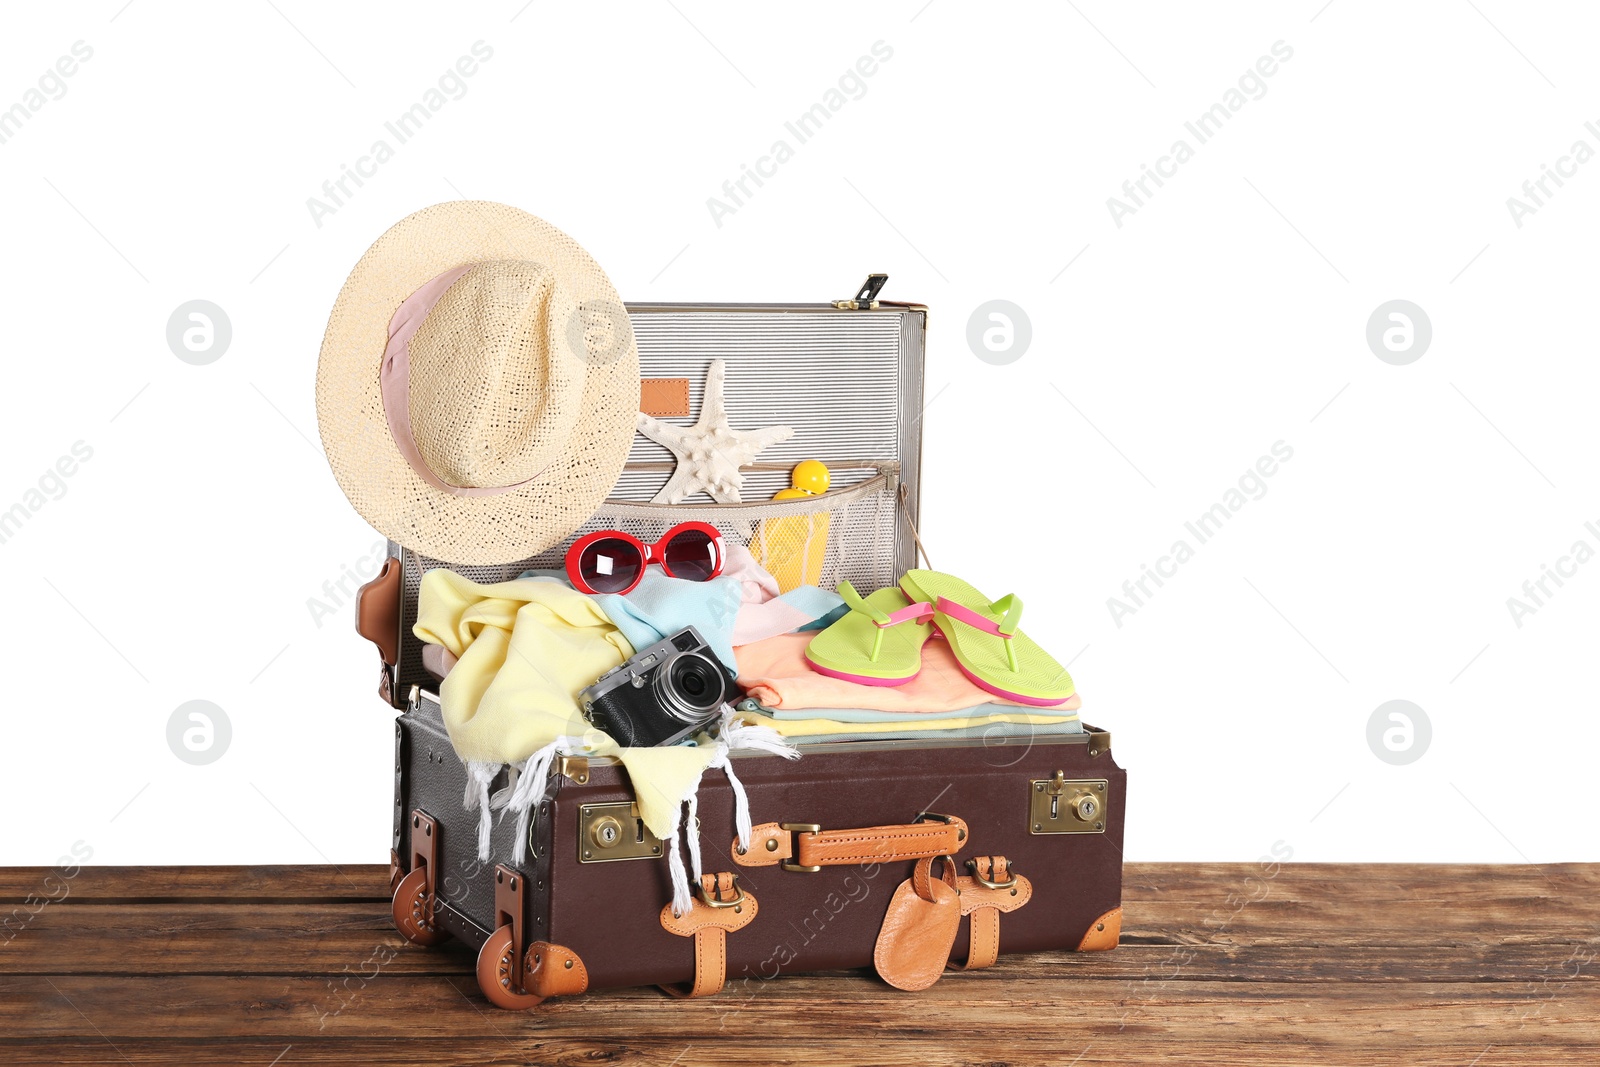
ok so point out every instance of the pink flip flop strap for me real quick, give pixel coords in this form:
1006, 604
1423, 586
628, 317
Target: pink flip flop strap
881, 619
962, 613
909, 613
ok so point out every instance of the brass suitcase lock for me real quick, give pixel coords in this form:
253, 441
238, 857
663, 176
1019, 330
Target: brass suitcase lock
614, 831
1060, 805
606, 832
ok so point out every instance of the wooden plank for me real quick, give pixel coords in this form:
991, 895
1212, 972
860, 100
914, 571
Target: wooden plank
333, 939
1222, 964
235, 938
103, 885
748, 1050
972, 1014
1404, 907
1364, 882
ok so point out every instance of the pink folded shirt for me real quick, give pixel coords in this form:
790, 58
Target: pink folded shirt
775, 672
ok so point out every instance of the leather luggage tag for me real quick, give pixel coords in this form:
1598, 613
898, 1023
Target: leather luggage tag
919, 929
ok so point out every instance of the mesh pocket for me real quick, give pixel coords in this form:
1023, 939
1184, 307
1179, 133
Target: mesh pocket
846, 535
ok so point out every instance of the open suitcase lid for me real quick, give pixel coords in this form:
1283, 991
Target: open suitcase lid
846, 375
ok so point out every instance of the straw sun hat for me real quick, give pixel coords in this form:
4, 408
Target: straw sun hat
478, 384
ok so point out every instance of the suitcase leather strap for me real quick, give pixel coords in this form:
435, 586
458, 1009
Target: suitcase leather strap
723, 907
808, 847
994, 888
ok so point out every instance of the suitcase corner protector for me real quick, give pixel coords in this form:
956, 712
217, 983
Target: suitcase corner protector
1103, 933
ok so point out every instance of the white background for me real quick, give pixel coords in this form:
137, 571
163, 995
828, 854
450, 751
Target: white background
1225, 315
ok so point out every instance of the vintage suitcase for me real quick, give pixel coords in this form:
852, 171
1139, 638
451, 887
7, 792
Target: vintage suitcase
1013, 842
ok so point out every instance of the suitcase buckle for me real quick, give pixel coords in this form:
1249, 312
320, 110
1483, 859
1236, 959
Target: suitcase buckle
799, 828
977, 876
715, 902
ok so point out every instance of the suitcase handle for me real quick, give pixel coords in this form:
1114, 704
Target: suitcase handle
378, 611
807, 847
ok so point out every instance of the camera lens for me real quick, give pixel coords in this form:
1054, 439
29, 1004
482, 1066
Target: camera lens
697, 680
690, 687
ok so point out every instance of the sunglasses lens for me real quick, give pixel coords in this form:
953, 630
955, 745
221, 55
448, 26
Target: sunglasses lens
610, 565
692, 555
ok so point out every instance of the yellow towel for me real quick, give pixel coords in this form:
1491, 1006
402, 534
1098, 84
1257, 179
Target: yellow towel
525, 649
793, 548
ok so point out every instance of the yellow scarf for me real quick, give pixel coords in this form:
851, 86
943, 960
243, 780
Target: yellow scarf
524, 651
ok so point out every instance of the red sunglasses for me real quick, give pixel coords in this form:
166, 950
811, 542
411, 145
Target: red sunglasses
610, 561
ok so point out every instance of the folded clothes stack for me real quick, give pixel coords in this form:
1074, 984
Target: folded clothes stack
989, 723
785, 691
932, 657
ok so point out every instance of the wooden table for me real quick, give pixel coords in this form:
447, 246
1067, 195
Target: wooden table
1322, 964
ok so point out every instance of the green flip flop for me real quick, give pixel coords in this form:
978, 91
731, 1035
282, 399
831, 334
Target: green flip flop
983, 634
869, 645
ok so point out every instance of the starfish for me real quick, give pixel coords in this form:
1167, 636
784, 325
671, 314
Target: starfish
710, 452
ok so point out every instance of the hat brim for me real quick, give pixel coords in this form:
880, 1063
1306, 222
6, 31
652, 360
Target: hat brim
380, 484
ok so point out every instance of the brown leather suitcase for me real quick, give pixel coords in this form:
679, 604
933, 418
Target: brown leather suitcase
815, 899
909, 855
